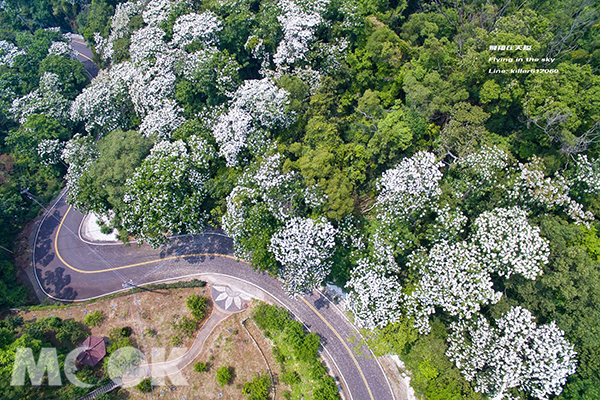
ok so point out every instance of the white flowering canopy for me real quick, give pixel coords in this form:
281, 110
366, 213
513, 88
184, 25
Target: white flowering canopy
304, 248
298, 24
533, 188
482, 166
375, 298
47, 99
49, 151
9, 52
256, 107
508, 244
163, 121
451, 277
587, 174
196, 27
100, 106
147, 42
165, 194
516, 354
62, 49
409, 187
79, 153
263, 185
158, 11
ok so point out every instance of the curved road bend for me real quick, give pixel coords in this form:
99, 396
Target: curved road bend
84, 55
72, 270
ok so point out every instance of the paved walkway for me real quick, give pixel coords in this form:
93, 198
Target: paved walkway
69, 269
229, 299
173, 368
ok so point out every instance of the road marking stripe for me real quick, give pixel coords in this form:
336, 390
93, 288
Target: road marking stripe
86, 57
130, 265
200, 255
343, 342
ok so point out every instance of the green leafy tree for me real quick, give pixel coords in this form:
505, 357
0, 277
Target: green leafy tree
258, 388
102, 186
197, 306
224, 375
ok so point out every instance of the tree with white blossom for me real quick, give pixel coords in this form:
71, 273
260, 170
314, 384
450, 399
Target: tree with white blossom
515, 354
375, 299
257, 107
304, 248
409, 187
147, 42
196, 27
257, 206
62, 49
9, 53
79, 153
533, 188
508, 244
586, 174
162, 121
166, 193
299, 25
481, 168
451, 277
47, 99
103, 105
406, 192
157, 11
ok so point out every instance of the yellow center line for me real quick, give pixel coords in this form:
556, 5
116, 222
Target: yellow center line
84, 56
130, 265
200, 255
343, 343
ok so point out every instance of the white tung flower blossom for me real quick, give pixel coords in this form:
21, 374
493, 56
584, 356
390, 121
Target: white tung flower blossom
257, 105
304, 248
162, 121
375, 298
532, 187
62, 49
451, 277
8, 53
508, 244
409, 187
192, 27
298, 32
47, 99
147, 42
587, 174
515, 354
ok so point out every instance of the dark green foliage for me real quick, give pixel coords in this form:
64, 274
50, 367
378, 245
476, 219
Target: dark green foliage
200, 367
71, 73
197, 306
145, 386
223, 375
301, 348
258, 388
102, 186
193, 283
568, 293
93, 319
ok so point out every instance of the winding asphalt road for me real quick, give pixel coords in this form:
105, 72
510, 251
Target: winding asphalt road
70, 269
84, 55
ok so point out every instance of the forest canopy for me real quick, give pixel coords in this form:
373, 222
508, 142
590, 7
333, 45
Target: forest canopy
362, 143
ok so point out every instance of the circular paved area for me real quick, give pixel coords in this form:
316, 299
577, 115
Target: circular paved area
228, 299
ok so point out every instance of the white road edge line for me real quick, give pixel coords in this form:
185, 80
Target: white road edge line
363, 338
